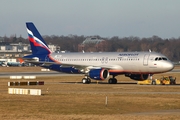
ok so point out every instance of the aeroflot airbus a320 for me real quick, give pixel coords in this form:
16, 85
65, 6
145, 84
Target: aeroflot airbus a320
97, 65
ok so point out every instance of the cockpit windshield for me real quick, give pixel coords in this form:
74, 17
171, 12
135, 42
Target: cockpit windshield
160, 58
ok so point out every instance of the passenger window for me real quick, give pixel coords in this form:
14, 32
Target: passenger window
156, 59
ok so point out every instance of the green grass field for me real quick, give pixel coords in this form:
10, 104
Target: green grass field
66, 98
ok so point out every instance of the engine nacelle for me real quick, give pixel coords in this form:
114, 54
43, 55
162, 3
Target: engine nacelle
138, 77
35, 59
99, 74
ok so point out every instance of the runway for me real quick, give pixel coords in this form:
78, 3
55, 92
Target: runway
52, 73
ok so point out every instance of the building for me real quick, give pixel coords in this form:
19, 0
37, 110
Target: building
92, 44
17, 50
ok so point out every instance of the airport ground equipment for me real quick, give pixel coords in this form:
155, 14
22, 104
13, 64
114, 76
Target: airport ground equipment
168, 80
149, 82
165, 80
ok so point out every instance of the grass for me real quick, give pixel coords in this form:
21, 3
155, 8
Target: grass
64, 97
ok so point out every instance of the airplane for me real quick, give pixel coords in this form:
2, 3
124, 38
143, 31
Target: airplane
3, 63
96, 65
9, 62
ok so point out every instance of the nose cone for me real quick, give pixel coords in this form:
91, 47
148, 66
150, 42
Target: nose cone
168, 66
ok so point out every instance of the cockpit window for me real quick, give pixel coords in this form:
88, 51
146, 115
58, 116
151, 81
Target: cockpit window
164, 58
160, 58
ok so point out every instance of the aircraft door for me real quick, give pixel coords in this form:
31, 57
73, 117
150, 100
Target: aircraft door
145, 60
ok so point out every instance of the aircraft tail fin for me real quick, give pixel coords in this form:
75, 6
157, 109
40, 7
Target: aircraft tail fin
38, 45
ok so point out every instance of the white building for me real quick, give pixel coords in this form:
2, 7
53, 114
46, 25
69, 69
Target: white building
18, 50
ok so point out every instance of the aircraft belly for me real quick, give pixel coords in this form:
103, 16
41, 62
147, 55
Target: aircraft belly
131, 67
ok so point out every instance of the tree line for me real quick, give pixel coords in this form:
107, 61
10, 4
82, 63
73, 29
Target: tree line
169, 47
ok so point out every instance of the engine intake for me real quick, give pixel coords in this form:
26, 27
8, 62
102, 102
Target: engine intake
99, 74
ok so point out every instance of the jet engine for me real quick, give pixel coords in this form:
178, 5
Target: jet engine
36, 59
98, 74
138, 77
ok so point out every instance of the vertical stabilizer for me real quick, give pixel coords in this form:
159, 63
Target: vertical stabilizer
38, 45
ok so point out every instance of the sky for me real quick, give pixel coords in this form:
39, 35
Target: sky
106, 18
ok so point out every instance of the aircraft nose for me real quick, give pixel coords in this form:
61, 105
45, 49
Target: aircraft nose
169, 66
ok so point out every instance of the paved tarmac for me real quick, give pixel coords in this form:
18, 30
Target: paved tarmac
52, 73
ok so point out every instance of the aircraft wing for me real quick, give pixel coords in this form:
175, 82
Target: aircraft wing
114, 67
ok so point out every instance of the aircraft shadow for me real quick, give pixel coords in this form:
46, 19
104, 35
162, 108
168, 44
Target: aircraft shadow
123, 83
96, 83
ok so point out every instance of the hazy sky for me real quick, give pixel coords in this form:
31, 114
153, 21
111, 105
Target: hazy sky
106, 18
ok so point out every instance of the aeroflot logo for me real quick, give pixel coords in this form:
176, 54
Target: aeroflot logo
129, 54
35, 40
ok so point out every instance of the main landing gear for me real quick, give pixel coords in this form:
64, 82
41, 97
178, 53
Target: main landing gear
112, 80
87, 80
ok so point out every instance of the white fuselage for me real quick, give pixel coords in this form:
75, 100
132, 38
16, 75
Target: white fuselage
121, 62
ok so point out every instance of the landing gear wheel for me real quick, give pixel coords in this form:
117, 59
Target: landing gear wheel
115, 81
86, 80
112, 81
153, 82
